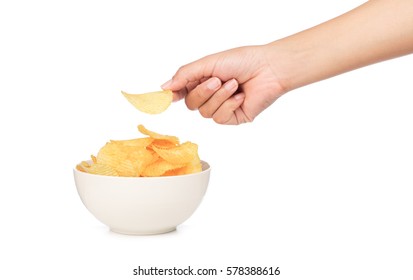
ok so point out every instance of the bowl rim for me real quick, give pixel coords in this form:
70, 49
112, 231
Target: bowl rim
205, 169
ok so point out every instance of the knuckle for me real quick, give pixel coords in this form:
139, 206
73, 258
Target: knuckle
190, 104
180, 72
248, 118
205, 112
220, 120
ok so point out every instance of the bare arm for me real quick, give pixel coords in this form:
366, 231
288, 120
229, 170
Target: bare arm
235, 86
375, 31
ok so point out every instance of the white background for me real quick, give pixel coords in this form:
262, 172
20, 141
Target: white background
318, 185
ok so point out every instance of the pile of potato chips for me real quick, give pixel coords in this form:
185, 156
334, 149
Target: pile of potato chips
154, 155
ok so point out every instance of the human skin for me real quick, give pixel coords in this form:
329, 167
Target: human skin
236, 85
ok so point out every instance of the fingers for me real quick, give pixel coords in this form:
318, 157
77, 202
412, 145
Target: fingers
202, 93
210, 106
217, 101
189, 76
230, 112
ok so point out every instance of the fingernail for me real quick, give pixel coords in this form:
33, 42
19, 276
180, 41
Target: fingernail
167, 84
230, 85
239, 96
213, 83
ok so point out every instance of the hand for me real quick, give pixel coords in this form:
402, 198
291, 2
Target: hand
235, 86
231, 87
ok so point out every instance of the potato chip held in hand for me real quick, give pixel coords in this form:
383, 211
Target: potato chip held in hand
152, 156
151, 102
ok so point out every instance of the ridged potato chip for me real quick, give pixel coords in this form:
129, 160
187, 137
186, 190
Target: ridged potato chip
181, 154
193, 167
159, 168
163, 144
157, 136
154, 155
96, 168
138, 142
151, 102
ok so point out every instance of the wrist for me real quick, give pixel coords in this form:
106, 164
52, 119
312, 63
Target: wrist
287, 61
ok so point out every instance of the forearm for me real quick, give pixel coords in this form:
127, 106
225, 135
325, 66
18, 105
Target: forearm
377, 30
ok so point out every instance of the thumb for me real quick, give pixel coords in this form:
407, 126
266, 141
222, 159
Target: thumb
189, 76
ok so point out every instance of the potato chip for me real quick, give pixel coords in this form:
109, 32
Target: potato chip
162, 144
141, 158
102, 169
151, 102
83, 166
99, 169
174, 172
137, 142
111, 154
94, 159
157, 136
159, 167
193, 167
154, 155
181, 154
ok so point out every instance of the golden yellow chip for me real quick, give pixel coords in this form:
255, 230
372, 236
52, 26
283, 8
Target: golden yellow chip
111, 154
181, 154
194, 166
99, 169
102, 169
137, 142
83, 166
155, 155
174, 172
127, 168
94, 159
162, 144
141, 158
159, 167
151, 102
157, 136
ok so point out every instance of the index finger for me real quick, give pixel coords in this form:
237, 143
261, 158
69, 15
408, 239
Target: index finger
181, 94
189, 76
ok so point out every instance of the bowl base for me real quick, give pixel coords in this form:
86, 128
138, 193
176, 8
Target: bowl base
120, 231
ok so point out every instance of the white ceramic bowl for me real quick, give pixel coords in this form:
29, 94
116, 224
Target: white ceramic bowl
142, 205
